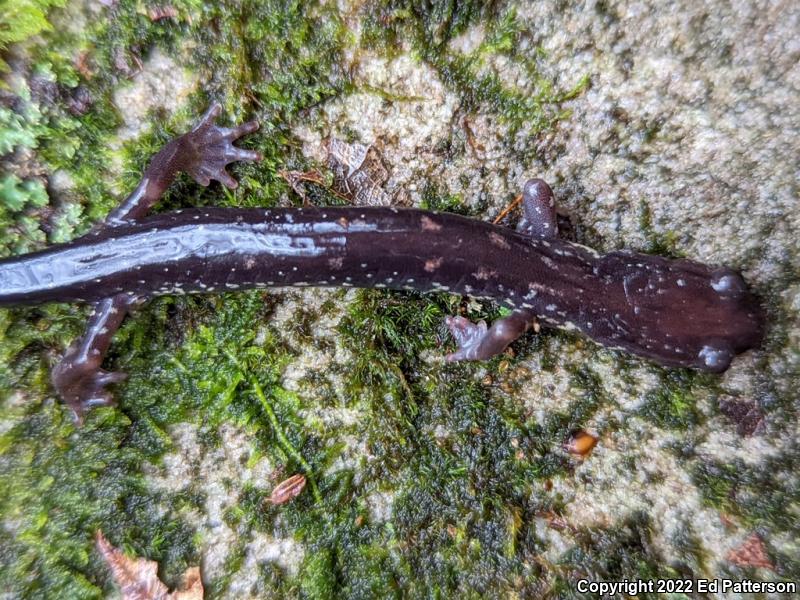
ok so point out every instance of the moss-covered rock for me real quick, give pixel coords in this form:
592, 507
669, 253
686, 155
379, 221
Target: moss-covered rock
425, 479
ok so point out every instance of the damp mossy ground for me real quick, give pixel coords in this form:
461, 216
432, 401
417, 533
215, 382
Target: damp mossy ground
469, 469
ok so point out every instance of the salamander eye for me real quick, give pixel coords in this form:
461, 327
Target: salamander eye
716, 357
727, 283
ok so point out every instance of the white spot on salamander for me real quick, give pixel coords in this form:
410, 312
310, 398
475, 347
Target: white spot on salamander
483, 273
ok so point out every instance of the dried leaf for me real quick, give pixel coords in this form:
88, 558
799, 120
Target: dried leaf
138, 577
745, 414
752, 553
581, 443
157, 13
349, 156
296, 179
358, 173
288, 489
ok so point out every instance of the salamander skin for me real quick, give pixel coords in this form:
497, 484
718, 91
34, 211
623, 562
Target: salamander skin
674, 312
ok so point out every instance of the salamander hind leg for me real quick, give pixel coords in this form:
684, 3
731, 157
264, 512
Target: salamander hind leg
78, 378
539, 210
476, 341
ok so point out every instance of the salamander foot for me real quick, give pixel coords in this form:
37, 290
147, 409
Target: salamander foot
210, 149
82, 386
539, 210
468, 336
476, 341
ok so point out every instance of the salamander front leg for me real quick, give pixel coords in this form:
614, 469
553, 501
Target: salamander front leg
203, 153
539, 210
476, 341
78, 378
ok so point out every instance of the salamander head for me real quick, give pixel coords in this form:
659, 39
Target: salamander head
738, 322
677, 313
714, 318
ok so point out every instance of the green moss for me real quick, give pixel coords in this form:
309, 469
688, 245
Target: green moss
20, 213
434, 198
462, 463
21, 128
624, 552
22, 19
59, 493
755, 494
188, 359
664, 244
430, 27
673, 403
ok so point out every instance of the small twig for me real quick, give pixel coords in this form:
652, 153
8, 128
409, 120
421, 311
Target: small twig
473, 142
406, 387
508, 209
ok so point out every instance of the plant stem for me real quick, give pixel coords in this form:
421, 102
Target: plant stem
282, 439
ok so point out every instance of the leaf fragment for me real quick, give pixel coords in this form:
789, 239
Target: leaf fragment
138, 577
288, 489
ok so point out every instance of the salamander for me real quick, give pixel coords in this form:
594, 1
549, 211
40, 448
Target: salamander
675, 312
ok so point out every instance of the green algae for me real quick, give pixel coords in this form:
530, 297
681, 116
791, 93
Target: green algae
465, 464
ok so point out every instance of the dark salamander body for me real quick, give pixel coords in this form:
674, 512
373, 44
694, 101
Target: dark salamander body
675, 312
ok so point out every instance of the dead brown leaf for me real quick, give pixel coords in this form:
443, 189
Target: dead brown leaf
296, 179
138, 577
752, 553
358, 172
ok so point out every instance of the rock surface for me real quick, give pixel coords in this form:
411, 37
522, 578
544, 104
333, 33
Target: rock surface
685, 141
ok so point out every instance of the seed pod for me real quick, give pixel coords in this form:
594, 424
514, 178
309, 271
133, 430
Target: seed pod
288, 489
580, 443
